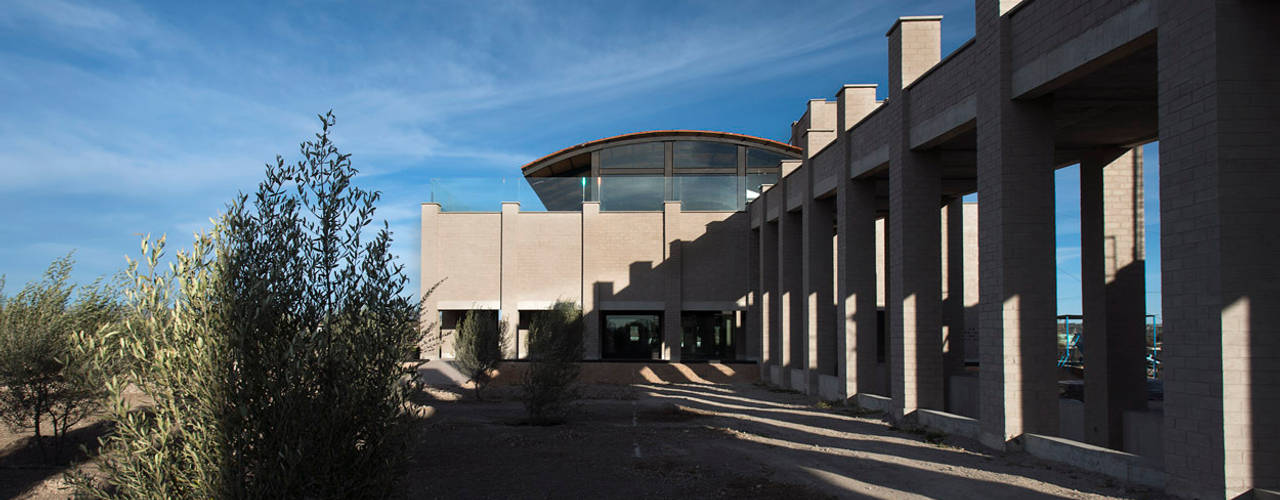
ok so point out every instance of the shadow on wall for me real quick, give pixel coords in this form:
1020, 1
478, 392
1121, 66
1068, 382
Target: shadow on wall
711, 268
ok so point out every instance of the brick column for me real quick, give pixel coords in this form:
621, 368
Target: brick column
791, 306
590, 314
915, 302
856, 284
818, 281
1219, 207
953, 294
756, 336
429, 272
1113, 280
771, 334
1017, 266
672, 332
507, 308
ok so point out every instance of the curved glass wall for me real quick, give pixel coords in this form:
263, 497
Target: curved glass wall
634, 156
704, 154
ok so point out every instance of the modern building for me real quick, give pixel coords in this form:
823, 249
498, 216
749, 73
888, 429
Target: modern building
859, 272
646, 231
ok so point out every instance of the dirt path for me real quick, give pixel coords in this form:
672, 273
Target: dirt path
680, 441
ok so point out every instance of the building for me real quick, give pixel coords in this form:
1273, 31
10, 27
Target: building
860, 274
647, 231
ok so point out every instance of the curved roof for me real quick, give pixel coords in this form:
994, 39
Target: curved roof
658, 135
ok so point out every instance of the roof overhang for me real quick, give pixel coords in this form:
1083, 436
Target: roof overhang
535, 168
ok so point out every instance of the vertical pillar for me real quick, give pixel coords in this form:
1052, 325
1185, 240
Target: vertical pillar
1219, 145
429, 272
791, 307
1113, 274
674, 301
1017, 265
819, 331
953, 294
756, 336
590, 313
915, 191
507, 308
771, 333
915, 302
856, 284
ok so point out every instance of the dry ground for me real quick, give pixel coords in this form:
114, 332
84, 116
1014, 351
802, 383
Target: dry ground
676, 441
682, 441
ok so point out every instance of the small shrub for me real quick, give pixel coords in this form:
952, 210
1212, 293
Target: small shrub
555, 348
479, 347
272, 351
43, 382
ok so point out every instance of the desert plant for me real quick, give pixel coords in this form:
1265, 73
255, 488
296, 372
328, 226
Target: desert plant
272, 351
555, 348
480, 339
43, 382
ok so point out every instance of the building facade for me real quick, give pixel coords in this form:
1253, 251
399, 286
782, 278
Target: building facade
859, 273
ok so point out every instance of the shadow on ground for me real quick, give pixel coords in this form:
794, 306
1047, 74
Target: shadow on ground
741, 441
24, 465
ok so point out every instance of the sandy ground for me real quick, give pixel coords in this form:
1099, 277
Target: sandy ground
674, 441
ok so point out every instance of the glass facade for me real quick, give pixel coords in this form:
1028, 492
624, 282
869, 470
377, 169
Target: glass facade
704, 154
631, 335
707, 192
755, 182
633, 156
708, 335
759, 158
632, 192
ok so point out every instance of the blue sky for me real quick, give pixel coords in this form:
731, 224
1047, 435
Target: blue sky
123, 118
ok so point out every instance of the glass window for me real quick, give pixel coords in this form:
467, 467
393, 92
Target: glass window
755, 181
707, 192
643, 155
631, 335
703, 154
759, 158
632, 192
708, 335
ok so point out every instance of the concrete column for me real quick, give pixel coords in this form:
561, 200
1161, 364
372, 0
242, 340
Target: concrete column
590, 313
1219, 144
884, 340
856, 284
507, 308
953, 294
915, 301
429, 276
1017, 266
791, 307
672, 332
771, 333
756, 336
819, 312
1113, 275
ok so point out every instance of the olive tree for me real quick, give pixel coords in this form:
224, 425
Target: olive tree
555, 350
44, 384
480, 337
272, 351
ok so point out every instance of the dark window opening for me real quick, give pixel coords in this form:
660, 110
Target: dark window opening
631, 335
708, 335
